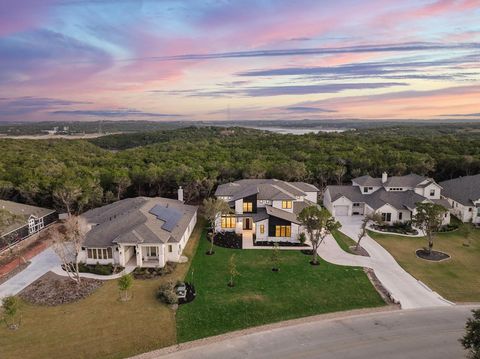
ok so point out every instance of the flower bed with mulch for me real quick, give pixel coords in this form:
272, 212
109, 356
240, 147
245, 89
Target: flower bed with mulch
435, 256
281, 244
150, 273
52, 289
228, 240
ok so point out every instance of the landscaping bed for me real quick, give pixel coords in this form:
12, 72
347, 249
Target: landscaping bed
228, 240
399, 228
150, 273
52, 289
435, 256
100, 269
281, 244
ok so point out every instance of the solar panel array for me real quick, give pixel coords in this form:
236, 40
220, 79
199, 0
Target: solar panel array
170, 216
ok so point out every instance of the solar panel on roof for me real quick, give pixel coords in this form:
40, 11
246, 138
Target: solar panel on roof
170, 216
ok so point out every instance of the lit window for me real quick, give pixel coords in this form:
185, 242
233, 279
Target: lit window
282, 231
262, 228
287, 204
228, 222
247, 207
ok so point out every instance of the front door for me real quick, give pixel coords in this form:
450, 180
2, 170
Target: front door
247, 223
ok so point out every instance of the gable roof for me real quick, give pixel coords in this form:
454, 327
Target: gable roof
138, 220
266, 189
464, 190
21, 212
377, 199
411, 180
276, 212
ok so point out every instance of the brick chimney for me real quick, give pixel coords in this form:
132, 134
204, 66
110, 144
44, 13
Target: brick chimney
180, 194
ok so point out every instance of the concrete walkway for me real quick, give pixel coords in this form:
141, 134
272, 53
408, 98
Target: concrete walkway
40, 264
128, 269
403, 287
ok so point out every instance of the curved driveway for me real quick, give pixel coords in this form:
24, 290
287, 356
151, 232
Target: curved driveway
403, 287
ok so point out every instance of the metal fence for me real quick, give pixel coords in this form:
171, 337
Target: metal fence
22, 233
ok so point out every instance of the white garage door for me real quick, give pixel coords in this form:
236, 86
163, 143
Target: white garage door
341, 210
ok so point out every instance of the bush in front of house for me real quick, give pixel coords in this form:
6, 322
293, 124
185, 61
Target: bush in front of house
150, 273
100, 269
166, 293
448, 227
397, 227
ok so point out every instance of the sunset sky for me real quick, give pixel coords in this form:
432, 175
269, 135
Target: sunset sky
243, 60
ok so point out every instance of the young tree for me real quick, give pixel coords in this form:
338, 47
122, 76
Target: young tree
10, 306
372, 217
471, 339
213, 208
275, 257
429, 219
124, 284
67, 244
467, 230
318, 224
232, 269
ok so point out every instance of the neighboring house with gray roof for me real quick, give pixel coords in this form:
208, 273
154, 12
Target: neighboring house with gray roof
19, 221
147, 232
463, 193
265, 209
395, 197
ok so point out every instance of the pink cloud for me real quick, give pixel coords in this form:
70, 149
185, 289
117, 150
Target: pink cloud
19, 16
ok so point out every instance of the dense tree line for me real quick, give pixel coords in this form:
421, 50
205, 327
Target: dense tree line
78, 175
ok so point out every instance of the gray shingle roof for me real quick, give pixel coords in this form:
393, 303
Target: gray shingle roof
377, 199
267, 189
22, 211
410, 180
464, 190
276, 212
130, 221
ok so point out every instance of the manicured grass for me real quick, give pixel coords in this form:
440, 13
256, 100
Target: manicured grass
344, 241
99, 326
262, 296
456, 279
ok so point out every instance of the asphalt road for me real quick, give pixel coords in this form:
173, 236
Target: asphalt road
416, 333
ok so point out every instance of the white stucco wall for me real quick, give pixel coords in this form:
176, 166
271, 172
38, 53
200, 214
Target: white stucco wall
259, 236
312, 197
342, 201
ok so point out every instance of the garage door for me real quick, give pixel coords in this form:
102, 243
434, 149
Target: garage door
341, 210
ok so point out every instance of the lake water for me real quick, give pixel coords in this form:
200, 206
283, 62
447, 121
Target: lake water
298, 131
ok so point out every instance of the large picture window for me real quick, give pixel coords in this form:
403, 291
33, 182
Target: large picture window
283, 231
247, 207
286, 204
228, 222
99, 253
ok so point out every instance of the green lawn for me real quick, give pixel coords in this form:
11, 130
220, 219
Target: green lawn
99, 326
344, 241
262, 296
457, 279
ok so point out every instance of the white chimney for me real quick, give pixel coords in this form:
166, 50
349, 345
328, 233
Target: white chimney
384, 177
180, 194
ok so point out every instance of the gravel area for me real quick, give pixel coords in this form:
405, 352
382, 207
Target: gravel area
52, 289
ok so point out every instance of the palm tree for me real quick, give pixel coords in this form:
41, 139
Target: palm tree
213, 208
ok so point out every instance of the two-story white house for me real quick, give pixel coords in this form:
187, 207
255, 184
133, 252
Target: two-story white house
265, 209
395, 197
463, 193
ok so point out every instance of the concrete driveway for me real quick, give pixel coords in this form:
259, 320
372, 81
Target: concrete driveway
403, 287
419, 333
40, 264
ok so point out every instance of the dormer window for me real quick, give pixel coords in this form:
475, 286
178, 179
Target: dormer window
365, 189
286, 204
432, 192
